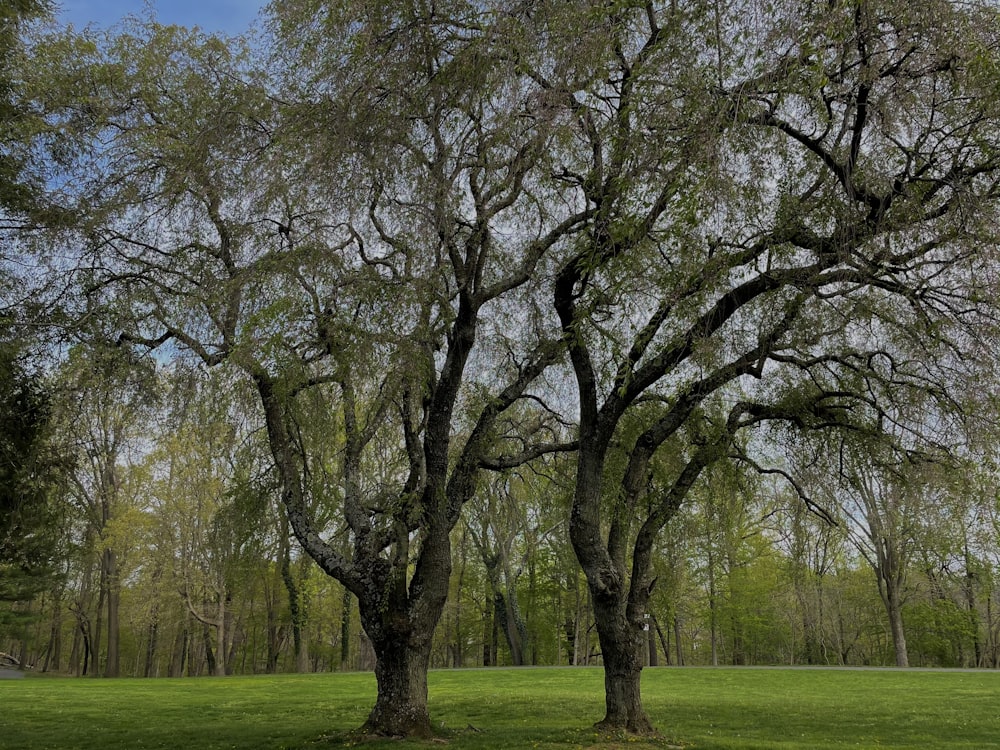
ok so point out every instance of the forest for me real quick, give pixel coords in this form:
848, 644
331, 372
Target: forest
430, 334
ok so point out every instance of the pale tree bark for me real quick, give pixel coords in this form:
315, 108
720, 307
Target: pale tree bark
499, 528
881, 502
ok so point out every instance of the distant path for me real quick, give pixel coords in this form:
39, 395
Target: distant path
837, 667
816, 667
10, 674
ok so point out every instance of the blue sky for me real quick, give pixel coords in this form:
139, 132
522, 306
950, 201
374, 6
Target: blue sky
228, 16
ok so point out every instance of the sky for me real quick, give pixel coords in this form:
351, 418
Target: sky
226, 16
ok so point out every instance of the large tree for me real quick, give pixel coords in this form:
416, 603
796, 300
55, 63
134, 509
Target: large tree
343, 248
785, 227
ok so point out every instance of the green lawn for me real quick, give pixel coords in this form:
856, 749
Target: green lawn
527, 708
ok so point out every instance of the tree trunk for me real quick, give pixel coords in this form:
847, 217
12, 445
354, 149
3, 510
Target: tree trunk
113, 664
507, 614
402, 658
296, 605
179, 654
345, 631
223, 631
206, 638
894, 608
623, 649
489, 655
97, 634
664, 639
401, 706
53, 655
677, 640
653, 660
149, 669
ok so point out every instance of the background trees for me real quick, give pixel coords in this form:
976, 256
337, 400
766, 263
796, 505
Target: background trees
32, 519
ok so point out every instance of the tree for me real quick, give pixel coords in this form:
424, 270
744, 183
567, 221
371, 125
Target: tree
31, 515
103, 401
894, 508
499, 526
843, 170
208, 228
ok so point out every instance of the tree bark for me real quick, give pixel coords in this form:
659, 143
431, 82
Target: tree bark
149, 670
623, 650
402, 657
894, 609
345, 631
653, 660
113, 665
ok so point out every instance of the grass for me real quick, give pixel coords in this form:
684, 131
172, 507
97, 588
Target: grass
547, 709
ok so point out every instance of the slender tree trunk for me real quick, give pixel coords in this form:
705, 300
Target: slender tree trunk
458, 655
87, 645
98, 631
345, 631
206, 638
713, 608
295, 600
113, 664
894, 609
677, 640
53, 656
74, 653
274, 636
178, 656
664, 638
223, 631
153, 634
149, 669
488, 654
973, 608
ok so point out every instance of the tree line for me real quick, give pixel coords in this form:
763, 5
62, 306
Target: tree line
618, 333
176, 559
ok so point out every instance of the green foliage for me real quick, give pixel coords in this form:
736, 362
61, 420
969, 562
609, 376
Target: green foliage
17, 193
31, 524
940, 632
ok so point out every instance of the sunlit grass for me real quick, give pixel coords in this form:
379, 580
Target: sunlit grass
526, 708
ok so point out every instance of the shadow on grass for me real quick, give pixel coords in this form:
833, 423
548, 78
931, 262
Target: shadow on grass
474, 738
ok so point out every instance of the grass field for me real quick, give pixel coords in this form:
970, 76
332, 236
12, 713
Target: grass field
698, 708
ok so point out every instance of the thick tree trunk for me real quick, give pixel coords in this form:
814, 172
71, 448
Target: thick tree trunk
623, 649
401, 672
